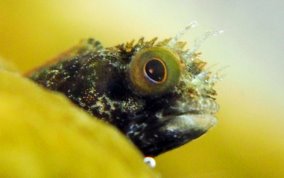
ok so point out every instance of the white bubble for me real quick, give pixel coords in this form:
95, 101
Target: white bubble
151, 162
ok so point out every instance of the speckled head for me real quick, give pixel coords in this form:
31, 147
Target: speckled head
157, 93
178, 95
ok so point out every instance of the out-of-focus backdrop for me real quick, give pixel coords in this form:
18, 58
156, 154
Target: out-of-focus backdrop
248, 140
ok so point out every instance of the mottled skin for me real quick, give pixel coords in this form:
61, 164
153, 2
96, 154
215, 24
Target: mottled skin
97, 80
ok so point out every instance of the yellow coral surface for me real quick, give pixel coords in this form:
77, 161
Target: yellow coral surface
42, 134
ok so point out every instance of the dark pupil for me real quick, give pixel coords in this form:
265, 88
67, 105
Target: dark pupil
155, 70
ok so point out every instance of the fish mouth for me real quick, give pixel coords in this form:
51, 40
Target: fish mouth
175, 130
190, 116
189, 123
175, 125
187, 120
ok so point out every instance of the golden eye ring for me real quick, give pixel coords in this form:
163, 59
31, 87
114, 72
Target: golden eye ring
154, 71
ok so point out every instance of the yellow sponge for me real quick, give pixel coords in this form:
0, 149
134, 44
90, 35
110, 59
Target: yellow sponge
42, 134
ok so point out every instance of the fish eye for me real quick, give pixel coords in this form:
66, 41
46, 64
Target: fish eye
154, 71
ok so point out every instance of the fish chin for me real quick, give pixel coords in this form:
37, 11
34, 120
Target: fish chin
183, 121
173, 131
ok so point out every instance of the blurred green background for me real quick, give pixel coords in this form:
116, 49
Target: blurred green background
248, 141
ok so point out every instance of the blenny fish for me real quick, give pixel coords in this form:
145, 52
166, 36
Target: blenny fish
157, 93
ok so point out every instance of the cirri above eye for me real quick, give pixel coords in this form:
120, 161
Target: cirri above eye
154, 71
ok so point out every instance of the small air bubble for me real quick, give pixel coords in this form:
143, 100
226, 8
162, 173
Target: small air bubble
151, 162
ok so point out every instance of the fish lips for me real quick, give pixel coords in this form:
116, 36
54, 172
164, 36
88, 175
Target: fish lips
188, 123
173, 131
